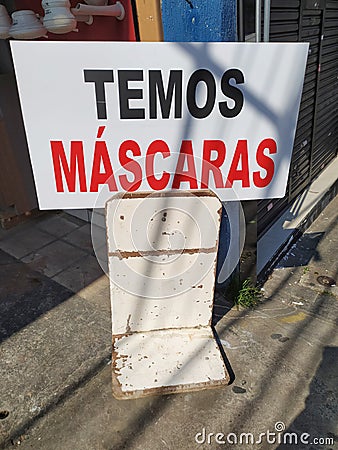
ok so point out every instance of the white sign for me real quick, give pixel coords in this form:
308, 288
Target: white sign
107, 117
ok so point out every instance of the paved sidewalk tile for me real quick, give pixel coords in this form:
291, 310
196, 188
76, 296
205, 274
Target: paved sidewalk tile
80, 274
24, 240
54, 258
81, 237
98, 293
58, 225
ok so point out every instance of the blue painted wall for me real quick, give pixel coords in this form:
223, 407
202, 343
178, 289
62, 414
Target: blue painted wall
202, 21
199, 20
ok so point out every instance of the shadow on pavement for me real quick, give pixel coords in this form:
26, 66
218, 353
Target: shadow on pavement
25, 295
321, 409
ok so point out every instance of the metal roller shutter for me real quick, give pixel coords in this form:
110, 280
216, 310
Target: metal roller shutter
326, 114
284, 27
316, 137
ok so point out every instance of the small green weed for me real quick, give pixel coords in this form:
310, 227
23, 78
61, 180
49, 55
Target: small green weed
248, 295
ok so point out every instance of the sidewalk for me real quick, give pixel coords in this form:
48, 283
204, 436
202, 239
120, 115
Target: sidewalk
55, 334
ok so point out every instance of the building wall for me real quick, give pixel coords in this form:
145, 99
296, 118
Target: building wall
199, 20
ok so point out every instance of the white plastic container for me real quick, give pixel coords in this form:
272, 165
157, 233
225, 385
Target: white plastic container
26, 25
58, 18
5, 22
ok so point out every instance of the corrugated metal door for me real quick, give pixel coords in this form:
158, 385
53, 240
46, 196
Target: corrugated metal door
316, 22
326, 115
300, 171
285, 17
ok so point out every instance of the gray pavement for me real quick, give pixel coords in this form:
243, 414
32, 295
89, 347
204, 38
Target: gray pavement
55, 345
